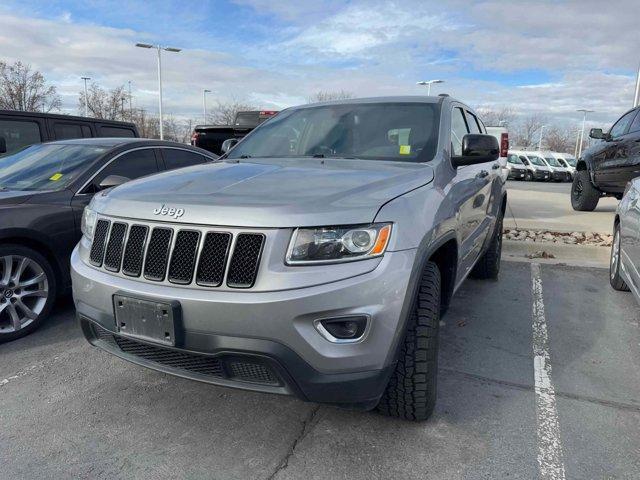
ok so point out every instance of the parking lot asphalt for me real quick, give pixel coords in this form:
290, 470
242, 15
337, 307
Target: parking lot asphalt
547, 206
68, 410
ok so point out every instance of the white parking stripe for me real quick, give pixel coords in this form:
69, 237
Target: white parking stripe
550, 461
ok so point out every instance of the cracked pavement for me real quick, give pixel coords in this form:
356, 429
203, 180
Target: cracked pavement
68, 410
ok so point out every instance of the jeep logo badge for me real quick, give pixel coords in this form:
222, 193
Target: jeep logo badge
171, 212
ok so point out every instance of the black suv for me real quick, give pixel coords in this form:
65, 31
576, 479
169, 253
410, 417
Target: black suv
43, 191
605, 168
20, 129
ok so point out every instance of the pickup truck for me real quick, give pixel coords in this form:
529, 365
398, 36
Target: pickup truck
211, 137
607, 167
315, 259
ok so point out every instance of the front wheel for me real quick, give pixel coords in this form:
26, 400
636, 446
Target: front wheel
528, 176
615, 279
27, 291
411, 391
584, 196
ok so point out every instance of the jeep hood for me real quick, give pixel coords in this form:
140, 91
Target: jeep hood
12, 197
267, 192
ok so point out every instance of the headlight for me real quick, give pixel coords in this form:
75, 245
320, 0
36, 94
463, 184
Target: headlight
88, 225
338, 244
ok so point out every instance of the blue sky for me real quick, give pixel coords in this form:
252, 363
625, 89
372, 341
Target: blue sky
533, 56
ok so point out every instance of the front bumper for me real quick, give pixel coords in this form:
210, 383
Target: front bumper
561, 176
516, 174
271, 333
542, 175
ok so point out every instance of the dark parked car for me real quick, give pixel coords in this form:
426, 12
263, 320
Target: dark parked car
606, 168
211, 137
43, 191
21, 129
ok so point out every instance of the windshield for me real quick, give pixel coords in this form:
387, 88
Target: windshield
536, 160
46, 166
379, 131
553, 162
514, 159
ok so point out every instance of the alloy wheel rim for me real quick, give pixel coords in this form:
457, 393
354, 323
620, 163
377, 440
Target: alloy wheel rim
24, 289
577, 190
615, 255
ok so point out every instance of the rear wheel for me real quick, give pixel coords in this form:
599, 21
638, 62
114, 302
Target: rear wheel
615, 279
411, 391
584, 196
27, 291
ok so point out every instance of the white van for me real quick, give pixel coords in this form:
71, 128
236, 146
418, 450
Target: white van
559, 172
538, 168
567, 160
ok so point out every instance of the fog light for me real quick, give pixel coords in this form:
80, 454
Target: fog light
343, 329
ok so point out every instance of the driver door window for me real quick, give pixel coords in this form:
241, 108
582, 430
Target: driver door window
131, 165
620, 127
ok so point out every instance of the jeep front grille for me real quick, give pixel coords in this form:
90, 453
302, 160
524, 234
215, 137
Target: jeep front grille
177, 255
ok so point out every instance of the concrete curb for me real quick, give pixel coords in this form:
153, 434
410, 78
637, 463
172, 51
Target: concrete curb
573, 255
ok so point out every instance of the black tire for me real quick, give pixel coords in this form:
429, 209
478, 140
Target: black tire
43, 263
615, 279
584, 196
411, 391
528, 176
488, 266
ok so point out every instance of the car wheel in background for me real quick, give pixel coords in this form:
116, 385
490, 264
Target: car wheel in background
584, 196
27, 291
614, 265
488, 266
411, 391
528, 176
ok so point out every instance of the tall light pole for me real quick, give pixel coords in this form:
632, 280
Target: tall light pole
204, 103
584, 121
636, 98
86, 97
428, 83
540, 141
159, 48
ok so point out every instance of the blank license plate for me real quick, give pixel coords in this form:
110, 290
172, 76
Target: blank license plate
146, 319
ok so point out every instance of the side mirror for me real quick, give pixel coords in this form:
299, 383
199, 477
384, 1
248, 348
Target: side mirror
3, 145
112, 181
477, 148
598, 134
228, 144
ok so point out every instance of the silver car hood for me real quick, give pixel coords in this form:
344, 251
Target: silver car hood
267, 192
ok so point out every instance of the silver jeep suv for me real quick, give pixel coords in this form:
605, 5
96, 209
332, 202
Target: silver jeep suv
314, 259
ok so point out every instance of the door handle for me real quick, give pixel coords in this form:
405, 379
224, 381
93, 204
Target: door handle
495, 166
482, 174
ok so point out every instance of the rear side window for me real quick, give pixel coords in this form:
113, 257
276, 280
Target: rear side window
18, 134
108, 131
131, 165
175, 158
458, 131
86, 131
64, 131
472, 121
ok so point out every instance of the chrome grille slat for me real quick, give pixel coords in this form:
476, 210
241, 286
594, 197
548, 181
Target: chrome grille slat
134, 251
213, 259
155, 265
183, 257
243, 267
96, 256
115, 246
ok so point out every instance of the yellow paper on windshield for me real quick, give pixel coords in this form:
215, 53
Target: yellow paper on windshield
405, 149
55, 177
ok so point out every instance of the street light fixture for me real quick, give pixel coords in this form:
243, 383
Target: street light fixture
204, 103
159, 48
636, 98
86, 98
428, 83
584, 121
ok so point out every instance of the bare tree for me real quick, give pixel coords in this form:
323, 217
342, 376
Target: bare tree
225, 113
325, 96
558, 139
527, 130
24, 89
177, 130
493, 117
106, 104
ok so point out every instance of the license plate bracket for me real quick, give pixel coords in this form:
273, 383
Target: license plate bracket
146, 319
